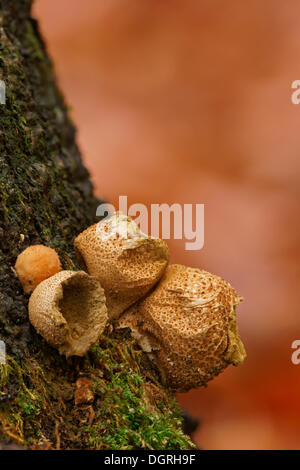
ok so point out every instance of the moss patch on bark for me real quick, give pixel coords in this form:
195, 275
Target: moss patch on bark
131, 410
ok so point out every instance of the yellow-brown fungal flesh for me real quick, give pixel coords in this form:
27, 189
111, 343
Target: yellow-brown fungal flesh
188, 322
69, 311
127, 262
36, 263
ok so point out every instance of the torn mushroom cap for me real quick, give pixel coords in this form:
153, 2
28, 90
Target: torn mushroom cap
36, 263
69, 311
188, 322
126, 261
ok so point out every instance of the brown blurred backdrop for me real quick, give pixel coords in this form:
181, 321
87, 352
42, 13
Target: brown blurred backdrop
190, 102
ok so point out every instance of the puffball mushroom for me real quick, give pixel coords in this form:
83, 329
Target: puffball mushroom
127, 262
36, 263
188, 323
69, 311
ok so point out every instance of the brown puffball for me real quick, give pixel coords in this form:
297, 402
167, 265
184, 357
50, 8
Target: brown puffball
188, 324
36, 263
69, 311
126, 261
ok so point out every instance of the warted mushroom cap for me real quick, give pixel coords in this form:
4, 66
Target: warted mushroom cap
126, 261
188, 322
69, 311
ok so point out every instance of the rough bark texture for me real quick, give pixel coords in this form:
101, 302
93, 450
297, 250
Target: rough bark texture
45, 191
46, 197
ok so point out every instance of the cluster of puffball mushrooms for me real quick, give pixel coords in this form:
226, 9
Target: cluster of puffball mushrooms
183, 318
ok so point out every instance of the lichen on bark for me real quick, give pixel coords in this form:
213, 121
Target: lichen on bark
46, 197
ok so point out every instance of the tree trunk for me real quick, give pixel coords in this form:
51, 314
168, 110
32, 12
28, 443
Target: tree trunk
46, 197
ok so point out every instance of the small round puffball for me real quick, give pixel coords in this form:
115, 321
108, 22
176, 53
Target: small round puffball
36, 263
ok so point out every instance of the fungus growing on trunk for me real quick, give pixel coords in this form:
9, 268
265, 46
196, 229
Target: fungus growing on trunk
127, 262
69, 311
188, 323
36, 263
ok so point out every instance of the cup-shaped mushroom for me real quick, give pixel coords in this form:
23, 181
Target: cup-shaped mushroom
188, 323
127, 262
69, 311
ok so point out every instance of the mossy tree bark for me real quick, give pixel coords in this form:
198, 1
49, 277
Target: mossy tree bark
46, 197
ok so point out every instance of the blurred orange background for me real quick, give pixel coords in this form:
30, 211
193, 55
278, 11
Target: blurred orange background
190, 102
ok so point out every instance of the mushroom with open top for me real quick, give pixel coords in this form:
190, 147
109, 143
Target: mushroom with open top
127, 262
188, 324
69, 311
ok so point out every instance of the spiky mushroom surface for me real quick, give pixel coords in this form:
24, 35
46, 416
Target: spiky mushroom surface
127, 262
188, 323
34, 264
69, 311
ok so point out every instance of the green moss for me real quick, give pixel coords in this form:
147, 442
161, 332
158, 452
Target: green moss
5, 371
30, 406
3, 201
131, 410
127, 418
18, 414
